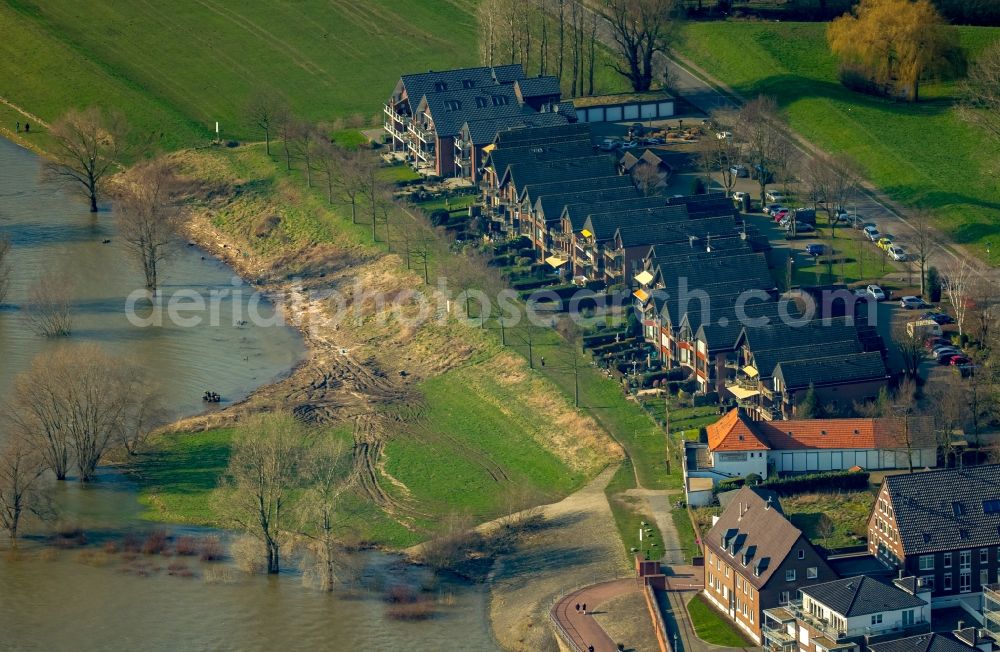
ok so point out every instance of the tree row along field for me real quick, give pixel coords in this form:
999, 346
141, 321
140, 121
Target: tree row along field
920, 154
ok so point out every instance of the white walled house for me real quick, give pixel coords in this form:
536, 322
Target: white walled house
848, 614
738, 446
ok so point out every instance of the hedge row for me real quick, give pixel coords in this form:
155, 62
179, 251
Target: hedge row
810, 482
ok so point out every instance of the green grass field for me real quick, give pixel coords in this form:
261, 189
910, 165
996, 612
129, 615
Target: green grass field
711, 627
175, 69
919, 154
631, 514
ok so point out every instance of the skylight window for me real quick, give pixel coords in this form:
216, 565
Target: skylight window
958, 508
991, 506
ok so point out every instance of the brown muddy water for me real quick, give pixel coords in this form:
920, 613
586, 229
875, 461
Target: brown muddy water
65, 600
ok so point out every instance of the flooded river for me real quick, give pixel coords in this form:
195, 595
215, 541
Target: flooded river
56, 601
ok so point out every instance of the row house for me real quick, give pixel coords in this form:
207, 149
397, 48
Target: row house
432, 116
942, 526
647, 214
848, 615
755, 559
476, 136
544, 216
964, 639
837, 356
738, 446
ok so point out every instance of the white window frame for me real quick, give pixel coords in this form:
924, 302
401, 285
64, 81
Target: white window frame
926, 562
790, 575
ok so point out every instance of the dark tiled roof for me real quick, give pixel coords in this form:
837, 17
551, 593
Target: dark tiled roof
538, 86
551, 205
831, 370
418, 85
537, 191
763, 537
727, 322
604, 225
766, 360
577, 214
501, 158
542, 135
947, 509
861, 596
526, 173
726, 497
567, 109
674, 231
482, 132
922, 643
452, 109
716, 267
769, 343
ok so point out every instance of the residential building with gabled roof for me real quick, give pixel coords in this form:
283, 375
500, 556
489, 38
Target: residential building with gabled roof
942, 526
965, 640
848, 615
755, 559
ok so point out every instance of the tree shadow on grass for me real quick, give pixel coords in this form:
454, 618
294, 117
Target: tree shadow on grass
790, 88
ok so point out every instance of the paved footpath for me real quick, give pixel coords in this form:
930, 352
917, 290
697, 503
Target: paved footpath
582, 629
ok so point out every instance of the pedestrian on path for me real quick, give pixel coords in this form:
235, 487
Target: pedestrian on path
27, 127
584, 608
577, 607
18, 127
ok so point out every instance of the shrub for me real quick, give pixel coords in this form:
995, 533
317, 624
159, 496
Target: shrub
211, 549
155, 543
439, 217
186, 546
817, 482
523, 261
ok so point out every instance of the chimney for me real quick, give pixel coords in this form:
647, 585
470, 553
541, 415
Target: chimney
767, 505
961, 626
900, 573
692, 239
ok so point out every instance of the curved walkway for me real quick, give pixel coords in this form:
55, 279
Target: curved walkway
584, 630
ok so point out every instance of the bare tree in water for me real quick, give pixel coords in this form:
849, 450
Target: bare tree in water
148, 214
22, 492
327, 472
88, 145
48, 311
75, 403
264, 473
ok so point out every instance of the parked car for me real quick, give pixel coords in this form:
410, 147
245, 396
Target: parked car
815, 249
800, 228
841, 215
947, 356
944, 348
722, 135
959, 360
872, 233
739, 171
858, 223
781, 217
912, 303
938, 318
655, 140
884, 242
739, 196
772, 207
931, 342
631, 144
876, 292
897, 253
609, 144
774, 196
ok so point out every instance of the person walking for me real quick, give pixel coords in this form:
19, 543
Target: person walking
543, 360
18, 126
577, 607
584, 608
27, 127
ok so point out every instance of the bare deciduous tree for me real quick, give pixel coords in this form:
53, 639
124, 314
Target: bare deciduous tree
87, 147
74, 403
21, 491
910, 348
266, 110
327, 477
760, 126
263, 473
980, 104
923, 241
647, 179
356, 171
957, 284
48, 309
640, 28
148, 213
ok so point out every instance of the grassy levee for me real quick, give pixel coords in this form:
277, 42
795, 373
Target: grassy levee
482, 426
921, 155
632, 514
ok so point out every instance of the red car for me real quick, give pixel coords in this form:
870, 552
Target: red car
780, 215
958, 360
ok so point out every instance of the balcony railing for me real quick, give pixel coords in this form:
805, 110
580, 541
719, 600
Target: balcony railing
613, 254
834, 632
424, 134
395, 115
778, 639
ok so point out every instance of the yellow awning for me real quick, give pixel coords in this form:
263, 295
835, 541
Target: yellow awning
741, 393
555, 261
750, 371
644, 278
641, 295
586, 233
489, 148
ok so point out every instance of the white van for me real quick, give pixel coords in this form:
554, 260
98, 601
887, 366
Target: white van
923, 328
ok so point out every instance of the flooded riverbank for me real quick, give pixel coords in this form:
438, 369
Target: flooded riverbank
56, 600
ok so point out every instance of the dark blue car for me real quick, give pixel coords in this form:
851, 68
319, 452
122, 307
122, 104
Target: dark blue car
815, 249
